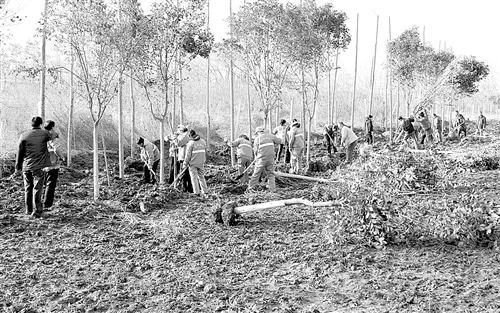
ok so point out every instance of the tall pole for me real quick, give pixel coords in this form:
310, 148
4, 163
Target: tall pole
71, 108
181, 94
355, 73
390, 90
132, 117
208, 81
329, 100
335, 106
231, 84
41, 104
120, 111
373, 70
249, 104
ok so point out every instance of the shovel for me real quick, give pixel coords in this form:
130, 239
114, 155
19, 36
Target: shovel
174, 183
246, 170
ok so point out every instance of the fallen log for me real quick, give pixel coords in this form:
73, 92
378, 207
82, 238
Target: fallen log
322, 180
228, 213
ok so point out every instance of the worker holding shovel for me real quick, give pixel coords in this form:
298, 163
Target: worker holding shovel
150, 155
244, 154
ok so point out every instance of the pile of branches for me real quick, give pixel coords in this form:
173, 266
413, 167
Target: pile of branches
378, 221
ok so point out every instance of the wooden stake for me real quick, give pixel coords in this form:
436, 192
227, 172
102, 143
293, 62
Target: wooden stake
207, 106
373, 70
335, 87
390, 92
355, 73
105, 159
231, 85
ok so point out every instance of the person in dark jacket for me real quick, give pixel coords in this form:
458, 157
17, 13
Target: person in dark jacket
329, 138
369, 129
32, 158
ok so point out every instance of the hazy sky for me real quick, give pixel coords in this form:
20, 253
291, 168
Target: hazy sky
468, 27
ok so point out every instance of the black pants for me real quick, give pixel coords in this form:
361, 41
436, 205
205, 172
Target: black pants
173, 169
187, 186
330, 144
369, 138
147, 173
281, 150
33, 189
50, 187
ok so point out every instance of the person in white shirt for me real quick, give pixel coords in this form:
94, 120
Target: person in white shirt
348, 140
280, 132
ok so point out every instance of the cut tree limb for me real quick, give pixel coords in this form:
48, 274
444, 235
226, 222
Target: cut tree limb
321, 180
227, 213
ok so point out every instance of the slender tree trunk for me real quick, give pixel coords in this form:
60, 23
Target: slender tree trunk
355, 74
270, 119
231, 87
120, 127
373, 70
71, 108
329, 97
96, 160
390, 91
335, 106
386, 102
249, 109
291, 110
105, 159
162, 151
41, 108
181, 93
208, 81
132, 117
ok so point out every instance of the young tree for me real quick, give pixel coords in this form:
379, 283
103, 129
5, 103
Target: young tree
459, 79
404, 57
90, 27
314, 33
171, 37
258, 45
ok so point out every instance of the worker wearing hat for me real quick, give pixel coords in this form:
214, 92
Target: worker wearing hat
263, 148
296, 146
196, 150
244, 154
181, 141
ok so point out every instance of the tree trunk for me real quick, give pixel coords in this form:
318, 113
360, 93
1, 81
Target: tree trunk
181, 95
120, 127
249, 109
71, 108
41, 104
390, 91
355, 74
162, 151
208, 82
231, 88
96, 160
132, 117
335, 110
373, 70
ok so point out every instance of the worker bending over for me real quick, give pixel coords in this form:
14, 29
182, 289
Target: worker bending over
244, 153
263, 148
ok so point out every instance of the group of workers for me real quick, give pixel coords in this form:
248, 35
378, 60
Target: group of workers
285, 143
421, 131
187, 160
